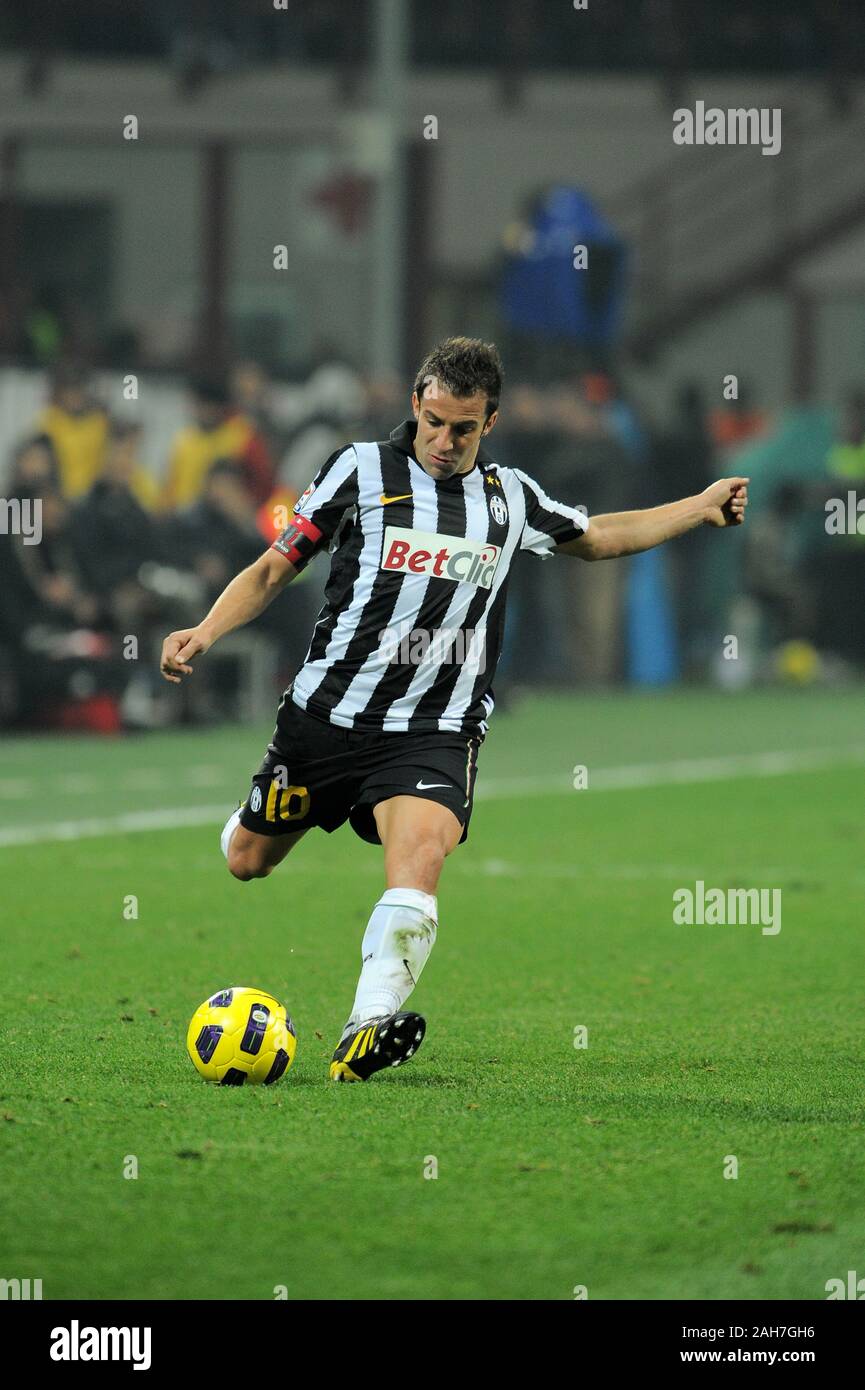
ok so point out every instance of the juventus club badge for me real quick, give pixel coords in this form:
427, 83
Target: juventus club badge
499, 510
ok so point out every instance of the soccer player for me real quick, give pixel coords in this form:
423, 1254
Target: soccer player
383, 722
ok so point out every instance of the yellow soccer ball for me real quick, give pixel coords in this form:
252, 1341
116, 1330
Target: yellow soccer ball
241, 1035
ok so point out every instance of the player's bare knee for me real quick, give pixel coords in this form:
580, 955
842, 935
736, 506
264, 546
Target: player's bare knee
238, 868
246, 865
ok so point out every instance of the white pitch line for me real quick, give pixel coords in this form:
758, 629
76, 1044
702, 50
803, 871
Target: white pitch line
505, 868
630, 778
133, 779
130, 822
685, 770
681, 770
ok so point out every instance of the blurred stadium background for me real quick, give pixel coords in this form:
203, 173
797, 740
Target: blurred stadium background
229, 231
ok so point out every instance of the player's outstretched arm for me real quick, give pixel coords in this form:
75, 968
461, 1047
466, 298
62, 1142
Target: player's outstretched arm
248, 594
627, 533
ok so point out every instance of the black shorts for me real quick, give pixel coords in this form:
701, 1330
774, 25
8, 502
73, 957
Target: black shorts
315, 773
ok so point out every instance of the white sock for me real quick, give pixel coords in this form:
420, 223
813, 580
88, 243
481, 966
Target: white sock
396, 945
228, 830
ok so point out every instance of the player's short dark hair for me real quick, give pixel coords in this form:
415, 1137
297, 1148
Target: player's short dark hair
463, 366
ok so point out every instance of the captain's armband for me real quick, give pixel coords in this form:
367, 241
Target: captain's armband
300, 541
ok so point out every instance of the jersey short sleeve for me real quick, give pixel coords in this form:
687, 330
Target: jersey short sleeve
548, 523
319, 510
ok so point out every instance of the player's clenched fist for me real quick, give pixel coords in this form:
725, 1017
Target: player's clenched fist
178, 649
726, 501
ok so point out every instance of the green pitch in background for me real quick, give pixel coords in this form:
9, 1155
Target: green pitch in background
557, 1166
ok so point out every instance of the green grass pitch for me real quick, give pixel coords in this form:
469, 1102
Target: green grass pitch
557, 1166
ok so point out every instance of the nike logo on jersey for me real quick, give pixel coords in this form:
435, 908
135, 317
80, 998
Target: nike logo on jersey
427, 786
403, 497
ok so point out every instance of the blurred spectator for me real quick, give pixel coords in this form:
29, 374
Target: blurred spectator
846, 458
218, 535
684, 454
386, 403
775, 572
115, 534
838, 559
45, 581
327, 412
600, 466
43, 325
737, 421
252, 393
122, 461
61, 665
34, 466
77, 426
683, 459
219, 431
568, 437
805, 574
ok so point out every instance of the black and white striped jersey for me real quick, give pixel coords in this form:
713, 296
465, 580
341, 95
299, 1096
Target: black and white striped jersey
412, 624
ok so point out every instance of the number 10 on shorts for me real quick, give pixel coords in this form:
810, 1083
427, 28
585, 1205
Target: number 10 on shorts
286, 803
